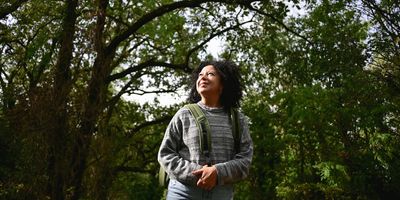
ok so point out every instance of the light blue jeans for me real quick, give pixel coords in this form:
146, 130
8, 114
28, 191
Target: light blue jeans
179, 191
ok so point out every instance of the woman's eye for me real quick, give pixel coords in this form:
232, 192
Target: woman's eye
211, 74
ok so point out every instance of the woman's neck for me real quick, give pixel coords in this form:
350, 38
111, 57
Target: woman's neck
212, 103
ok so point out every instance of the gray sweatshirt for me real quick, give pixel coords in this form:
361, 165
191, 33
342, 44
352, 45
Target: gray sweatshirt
180, 154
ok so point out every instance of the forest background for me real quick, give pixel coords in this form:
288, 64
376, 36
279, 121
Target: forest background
322, 93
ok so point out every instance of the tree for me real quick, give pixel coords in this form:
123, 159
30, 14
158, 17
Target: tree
320, 119
385, 43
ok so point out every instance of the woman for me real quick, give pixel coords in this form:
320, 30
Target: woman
216, 88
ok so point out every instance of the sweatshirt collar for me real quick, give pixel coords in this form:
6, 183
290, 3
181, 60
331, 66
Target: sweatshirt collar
211, 109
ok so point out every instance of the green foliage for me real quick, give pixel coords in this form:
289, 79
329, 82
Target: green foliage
322, 96
316, 112
126, 167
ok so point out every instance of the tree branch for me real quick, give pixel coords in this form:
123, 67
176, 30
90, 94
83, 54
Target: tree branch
13, 7
100, 23
125, 53
148, 63
161, 11
191, 51
387, 16
137, 128
249, 6
142, 92
147, 18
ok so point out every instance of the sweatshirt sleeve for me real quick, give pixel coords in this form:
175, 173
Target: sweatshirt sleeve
238, 168
169, 156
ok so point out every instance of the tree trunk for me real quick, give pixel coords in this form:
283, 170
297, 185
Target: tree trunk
93, 105
59, 100
92, 109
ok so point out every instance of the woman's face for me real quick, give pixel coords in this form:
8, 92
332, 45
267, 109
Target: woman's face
209, 82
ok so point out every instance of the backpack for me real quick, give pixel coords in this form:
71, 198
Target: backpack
205, 136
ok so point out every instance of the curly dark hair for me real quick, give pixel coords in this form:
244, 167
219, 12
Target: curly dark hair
232, 92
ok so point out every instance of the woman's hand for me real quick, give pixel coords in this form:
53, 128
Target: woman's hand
207, 177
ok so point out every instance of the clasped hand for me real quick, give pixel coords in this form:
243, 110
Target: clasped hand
207, 177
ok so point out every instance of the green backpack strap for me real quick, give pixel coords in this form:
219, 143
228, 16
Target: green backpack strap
235, 128
204, 130
163, 177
